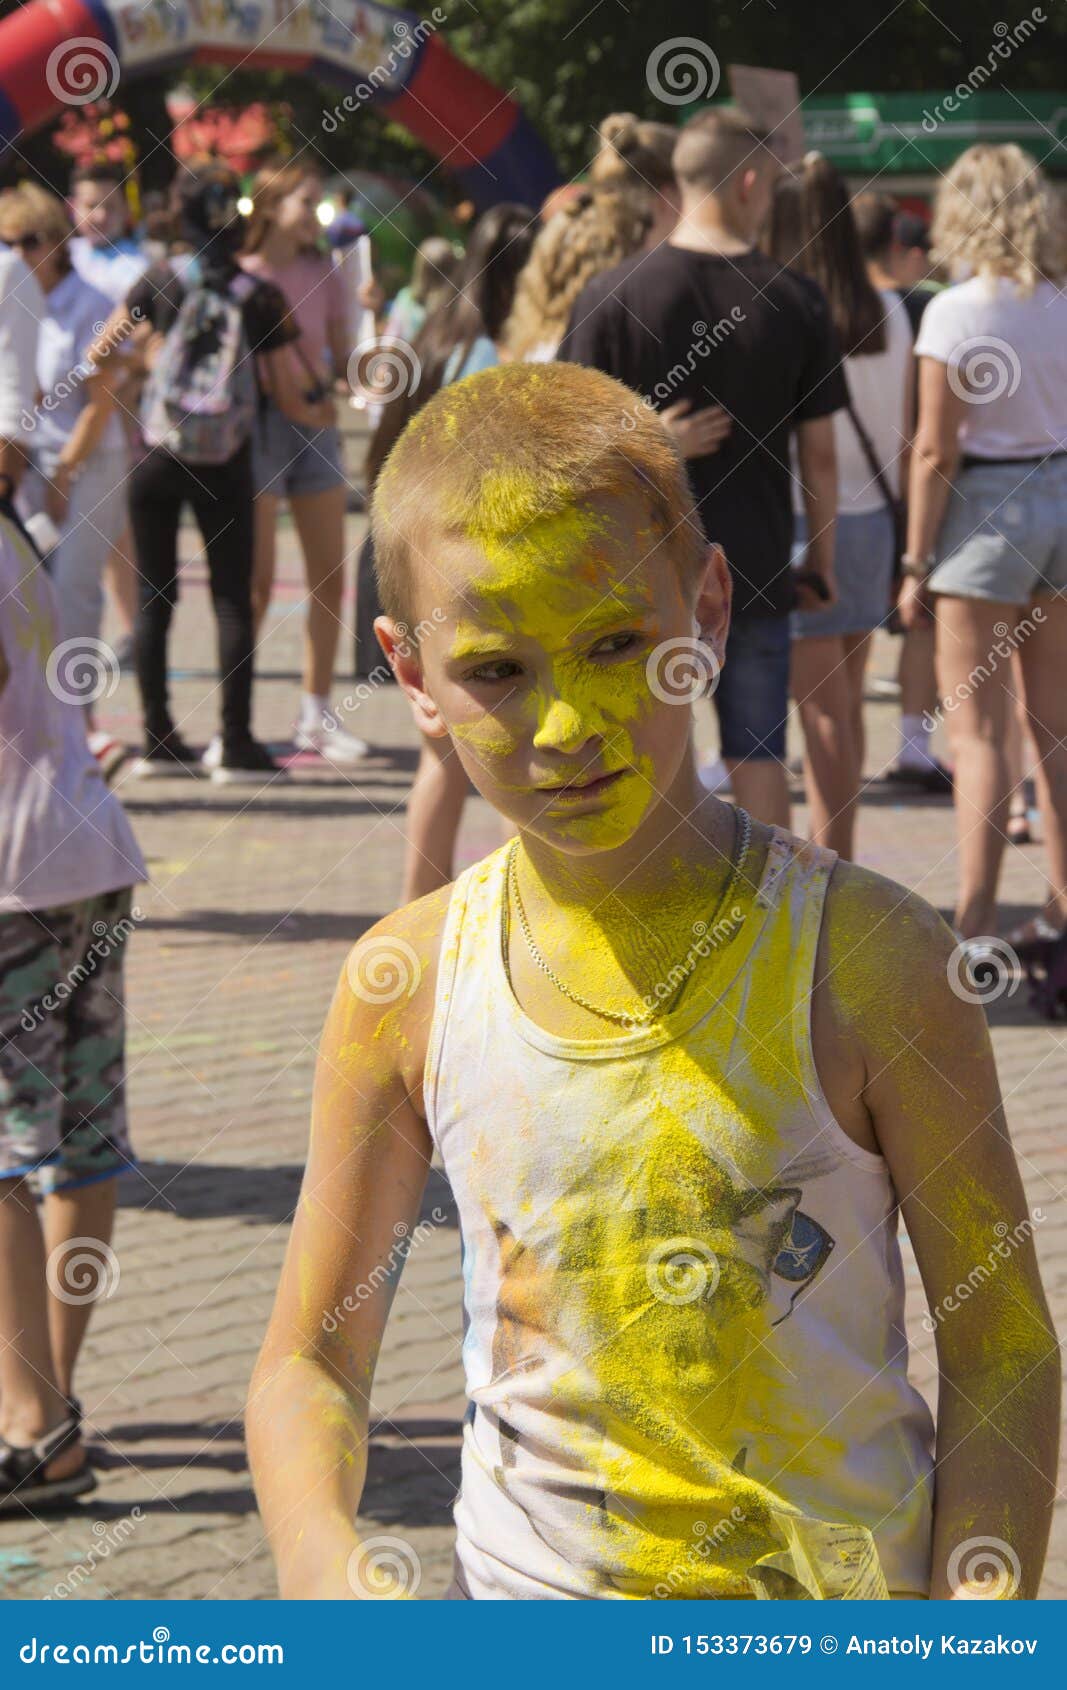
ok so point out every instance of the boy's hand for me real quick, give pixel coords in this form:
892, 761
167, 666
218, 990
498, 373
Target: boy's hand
310, 1399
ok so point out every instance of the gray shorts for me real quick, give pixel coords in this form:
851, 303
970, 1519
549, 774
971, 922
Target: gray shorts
62, 1042
863, 569
1004, 536
288, 459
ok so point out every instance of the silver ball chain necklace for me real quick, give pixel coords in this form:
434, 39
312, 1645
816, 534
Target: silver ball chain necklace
742, 841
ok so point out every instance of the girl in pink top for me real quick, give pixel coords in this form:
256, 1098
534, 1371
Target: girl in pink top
302, 462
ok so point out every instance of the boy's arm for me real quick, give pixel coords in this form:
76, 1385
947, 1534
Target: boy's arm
926, 1078
309, 1400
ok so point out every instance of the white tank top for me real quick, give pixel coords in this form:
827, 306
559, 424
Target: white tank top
683, 1295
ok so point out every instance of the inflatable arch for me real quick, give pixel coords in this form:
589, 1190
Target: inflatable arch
56, 53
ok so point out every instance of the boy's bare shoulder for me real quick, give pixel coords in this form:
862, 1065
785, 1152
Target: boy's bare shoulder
390, 976
882, 946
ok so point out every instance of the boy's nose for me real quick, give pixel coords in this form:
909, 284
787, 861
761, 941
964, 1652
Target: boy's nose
563, 728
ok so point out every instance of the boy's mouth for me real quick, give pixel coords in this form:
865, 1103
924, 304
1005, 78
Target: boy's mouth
575, 789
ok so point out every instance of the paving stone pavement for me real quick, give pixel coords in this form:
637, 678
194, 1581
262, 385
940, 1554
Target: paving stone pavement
253, 903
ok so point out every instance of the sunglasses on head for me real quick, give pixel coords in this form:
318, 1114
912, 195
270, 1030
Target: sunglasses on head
28, 243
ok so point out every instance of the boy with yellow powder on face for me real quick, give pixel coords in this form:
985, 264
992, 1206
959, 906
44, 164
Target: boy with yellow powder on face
681, 1070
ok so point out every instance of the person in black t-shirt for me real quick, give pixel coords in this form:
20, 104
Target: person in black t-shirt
221, 495
708, 318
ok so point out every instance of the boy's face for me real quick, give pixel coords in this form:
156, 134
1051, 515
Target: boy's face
99, 211
543, 660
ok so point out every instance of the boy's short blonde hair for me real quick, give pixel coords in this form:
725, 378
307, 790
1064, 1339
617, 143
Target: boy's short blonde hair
495, 452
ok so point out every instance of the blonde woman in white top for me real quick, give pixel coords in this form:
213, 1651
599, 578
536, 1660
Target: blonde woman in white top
987, 529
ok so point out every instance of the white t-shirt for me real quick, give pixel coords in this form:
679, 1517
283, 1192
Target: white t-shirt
1009, 352
113, 267
21, 309
63, 835
75, 313
878, 385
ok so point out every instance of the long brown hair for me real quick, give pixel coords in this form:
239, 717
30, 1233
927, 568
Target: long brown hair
271, 185
498, 249
812, 229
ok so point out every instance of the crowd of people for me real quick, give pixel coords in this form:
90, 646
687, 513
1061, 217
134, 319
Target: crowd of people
788, 378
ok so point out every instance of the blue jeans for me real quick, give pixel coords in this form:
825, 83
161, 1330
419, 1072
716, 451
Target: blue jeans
752, 697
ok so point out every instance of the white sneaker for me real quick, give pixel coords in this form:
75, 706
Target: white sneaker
333, 743
212, 758
109, 752
714, 776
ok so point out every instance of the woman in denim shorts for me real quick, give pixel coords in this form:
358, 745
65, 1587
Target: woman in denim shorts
302, 463
987, 531
812, 229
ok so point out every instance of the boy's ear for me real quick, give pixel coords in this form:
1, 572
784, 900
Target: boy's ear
714, 597
403, 659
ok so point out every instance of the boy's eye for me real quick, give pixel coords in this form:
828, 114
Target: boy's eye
615, 644
503, 669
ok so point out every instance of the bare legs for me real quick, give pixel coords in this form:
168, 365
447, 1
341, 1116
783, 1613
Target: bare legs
981, 688
760, 786
435, 806
40, 1335
319, 519
827, 681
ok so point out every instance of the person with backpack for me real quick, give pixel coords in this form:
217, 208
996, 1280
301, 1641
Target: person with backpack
207, 336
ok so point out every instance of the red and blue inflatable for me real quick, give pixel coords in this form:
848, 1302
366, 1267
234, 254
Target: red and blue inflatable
56, 53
